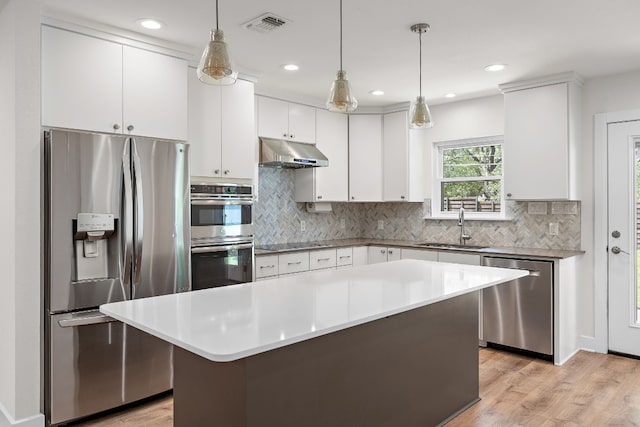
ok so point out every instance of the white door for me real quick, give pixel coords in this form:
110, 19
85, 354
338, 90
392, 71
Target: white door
623, 147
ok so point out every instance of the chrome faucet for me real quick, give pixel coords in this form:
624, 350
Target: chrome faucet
463, 237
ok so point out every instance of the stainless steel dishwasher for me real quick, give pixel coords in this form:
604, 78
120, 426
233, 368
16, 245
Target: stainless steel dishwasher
519, 313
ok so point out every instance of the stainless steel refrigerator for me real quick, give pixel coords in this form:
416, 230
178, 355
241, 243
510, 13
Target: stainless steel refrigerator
116, 228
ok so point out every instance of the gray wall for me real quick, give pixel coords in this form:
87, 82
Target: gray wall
278, 220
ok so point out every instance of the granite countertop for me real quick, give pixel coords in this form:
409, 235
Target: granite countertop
498, 250
233, 322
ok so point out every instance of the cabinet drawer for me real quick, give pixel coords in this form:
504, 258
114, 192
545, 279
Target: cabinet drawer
266, 266
325, 258
345, 256
293, 263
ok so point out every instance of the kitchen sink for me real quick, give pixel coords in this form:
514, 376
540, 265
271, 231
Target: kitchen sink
451, 246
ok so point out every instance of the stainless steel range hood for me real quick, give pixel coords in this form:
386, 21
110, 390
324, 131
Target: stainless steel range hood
281, 153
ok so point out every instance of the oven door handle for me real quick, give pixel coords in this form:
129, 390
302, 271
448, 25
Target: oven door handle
224, 248
219, 202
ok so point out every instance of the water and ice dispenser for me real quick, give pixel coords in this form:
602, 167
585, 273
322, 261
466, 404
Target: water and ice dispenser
93, 246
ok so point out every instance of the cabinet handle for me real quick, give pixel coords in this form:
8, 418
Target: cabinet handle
508, 194
402, 197
319, 197
353, 198
294, 263
382, 251
267, 266
323, 259
285, 135
226, 172
345, 257
116, 126
216, 172
130, 128
292, 136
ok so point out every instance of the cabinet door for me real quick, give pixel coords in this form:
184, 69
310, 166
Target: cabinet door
273, 118
393, 254
457, 258
239, 149
419, 254
365, 158
331, 183
204, 127
376, 254
395, 157
81, 82
536, 143
360, 255
302, 123
154, 94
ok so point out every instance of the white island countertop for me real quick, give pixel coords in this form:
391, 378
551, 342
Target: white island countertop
233, 322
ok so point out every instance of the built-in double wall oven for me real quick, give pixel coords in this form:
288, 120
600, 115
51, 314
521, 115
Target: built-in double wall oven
221, 232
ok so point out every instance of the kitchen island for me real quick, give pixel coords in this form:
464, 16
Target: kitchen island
384, 344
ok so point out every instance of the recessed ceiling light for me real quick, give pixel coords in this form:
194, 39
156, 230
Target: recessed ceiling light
450, 95
495, 67
376, 92
150, 24
291, 67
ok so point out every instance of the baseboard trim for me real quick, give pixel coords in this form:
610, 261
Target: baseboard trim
7, 420
591, 344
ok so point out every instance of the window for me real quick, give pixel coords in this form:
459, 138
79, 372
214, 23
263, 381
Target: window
469, 175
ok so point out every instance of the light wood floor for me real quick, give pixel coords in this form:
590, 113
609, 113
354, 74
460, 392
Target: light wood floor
589, 390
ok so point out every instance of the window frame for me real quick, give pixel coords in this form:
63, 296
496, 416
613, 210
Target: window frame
436, 201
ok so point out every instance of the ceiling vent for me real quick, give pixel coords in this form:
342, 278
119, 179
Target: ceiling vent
266, 23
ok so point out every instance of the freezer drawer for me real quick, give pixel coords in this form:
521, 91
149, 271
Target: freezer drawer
96, 363
519, 313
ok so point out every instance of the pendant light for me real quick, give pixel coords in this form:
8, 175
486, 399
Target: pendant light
419, 114
216, 68
340, 98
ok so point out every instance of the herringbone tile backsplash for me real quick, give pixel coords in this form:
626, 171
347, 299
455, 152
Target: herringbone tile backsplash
278, 218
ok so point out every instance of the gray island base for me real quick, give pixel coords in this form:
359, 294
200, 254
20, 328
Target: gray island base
415, 368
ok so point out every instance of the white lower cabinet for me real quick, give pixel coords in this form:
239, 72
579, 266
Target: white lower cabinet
360, 255
266, 266
325, 258
378, 254
457, 258
419, 254
344, 257
293, 263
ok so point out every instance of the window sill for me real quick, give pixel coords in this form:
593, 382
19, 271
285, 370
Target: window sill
468, 217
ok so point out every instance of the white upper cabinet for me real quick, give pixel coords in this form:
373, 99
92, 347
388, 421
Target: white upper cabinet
365, 158
221, 129
402, 150
331, 183
239, 144
541, 147
154, 94
81, 82
282, 119
93, 84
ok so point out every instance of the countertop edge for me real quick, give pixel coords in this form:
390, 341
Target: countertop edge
319, 245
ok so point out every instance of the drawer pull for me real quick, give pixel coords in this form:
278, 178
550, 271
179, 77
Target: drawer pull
294, 263
345, 257
323, 259
267, 266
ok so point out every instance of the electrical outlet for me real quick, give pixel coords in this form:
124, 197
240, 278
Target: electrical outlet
553, 228
303, 226
380, 224
343, 223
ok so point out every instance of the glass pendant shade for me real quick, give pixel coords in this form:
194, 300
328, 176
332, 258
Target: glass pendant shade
340, 98
215, 67
419, 114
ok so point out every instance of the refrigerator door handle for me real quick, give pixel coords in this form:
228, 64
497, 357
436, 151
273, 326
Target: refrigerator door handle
90, 318
127, 220
138, 215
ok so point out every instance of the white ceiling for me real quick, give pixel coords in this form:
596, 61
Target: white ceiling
534, 38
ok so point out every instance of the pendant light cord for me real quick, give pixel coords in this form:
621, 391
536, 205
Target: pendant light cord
217, 15
420, 39
340, 35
